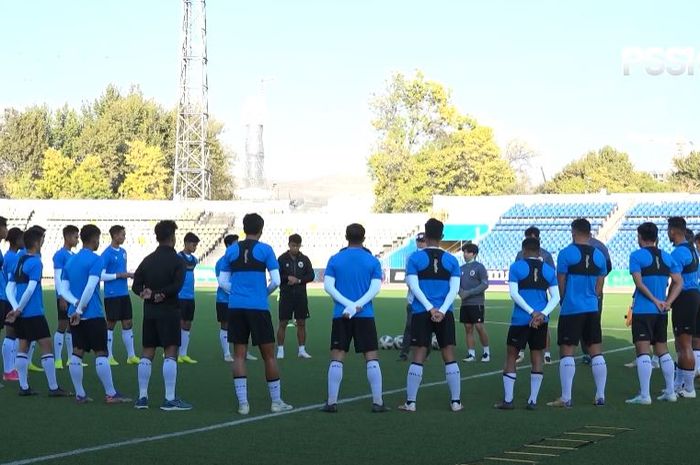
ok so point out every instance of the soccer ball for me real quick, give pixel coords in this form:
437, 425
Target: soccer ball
398, 342
435, 344
386, 342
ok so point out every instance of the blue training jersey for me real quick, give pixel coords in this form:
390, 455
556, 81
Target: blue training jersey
248, 261
221, 295
582, 265
187, 291
655, 267
29, 268
60, 258
78, 270
534, 278
353, 269
9, 263
115, 262
434, 268
686, 256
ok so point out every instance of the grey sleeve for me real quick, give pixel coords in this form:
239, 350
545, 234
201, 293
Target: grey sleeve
484, 281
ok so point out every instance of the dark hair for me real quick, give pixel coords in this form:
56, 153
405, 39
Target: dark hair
88, 232
32, 236
230, 239
13, 236
581, 226
253, 224
648, 231
470, 248
36, 227
531, 244
689, 235
532, 231
433, 229
191, 237
677, 222
3, 222
295, 239
70, 229
355, 233
695, 239
116, 229
165, 230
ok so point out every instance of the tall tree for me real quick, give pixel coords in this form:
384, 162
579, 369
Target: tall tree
686, 172
520, 156
56, 181
24, 136
90, 180
148, 175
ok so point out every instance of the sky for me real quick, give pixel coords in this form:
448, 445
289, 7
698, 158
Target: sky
548, 72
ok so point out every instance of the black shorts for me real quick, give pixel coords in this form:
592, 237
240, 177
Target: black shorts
471, 314
684, 313
422, 329
118, 308
5, 308
186, 309
222, 312
244, 324
33, 328
362, 331
62, 314
90, 335
649, 327
163, 331
293, 306
584, 327
521, 336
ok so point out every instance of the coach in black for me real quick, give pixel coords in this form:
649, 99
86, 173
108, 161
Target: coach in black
296, 272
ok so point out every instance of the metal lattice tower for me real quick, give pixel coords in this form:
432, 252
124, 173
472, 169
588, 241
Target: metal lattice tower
255, 155
191, 177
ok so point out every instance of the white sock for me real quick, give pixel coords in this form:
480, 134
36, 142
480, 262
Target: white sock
22, 366
472, 352
666, 363
535, 383
644, 374
223, 339
170, 377
678, 377
486, 350
241, 386
58, 345
68, 343
8, 356
567, 370
600, 374
104, 372
697, 360
47, 363
508, 385
302, 349
280, 351
453, 381
144, 373
110, 343
548, 354
413, 380
30, 354
128, 338
275, 389
689, 380
184, 342
75, 367
335, 376
374, 376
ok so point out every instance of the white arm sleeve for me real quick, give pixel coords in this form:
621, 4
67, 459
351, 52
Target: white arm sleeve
374, 286
57, 272
11, 290
414, 286
27, 295
64, 291
451, 295
108, 276
329, 287
275, 281
224, 280
518, 299
92, 283
553, 300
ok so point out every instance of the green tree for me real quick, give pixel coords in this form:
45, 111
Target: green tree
90, 180
221, 160
148, 174
65, 128
24, 136
606, 169
56, 181
686, 173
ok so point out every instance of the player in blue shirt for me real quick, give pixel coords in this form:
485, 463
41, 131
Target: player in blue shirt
25, 296
529, 280
222, 301
9, 344
70, 241
651, 268
581, 274
243, 276
433, 276
353, 278
81, 277
186, 295
4, 304
117, 300
685, 316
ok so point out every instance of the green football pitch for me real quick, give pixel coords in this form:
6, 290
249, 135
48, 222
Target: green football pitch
43, 430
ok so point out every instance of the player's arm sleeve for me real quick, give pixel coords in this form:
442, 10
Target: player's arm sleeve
414, 286
104, 276
275, 281
374, 287
57, 278
484, 281
138, 285
309, 273
64, 291
92, 283
11, 291
641, 287
283, 269
517, 298
31, 287
451, 295
329, 287
173, 289
224, 280
553, 300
